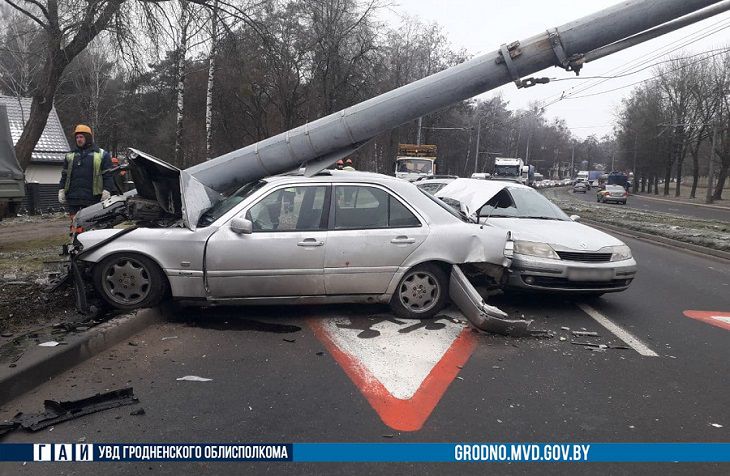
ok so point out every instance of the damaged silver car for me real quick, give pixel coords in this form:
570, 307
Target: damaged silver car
552, 251
336, 237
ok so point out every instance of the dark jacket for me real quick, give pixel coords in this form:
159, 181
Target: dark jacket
80, 191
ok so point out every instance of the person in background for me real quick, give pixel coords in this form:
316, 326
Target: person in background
348, 165
82, 182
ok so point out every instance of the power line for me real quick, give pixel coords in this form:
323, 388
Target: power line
665, 50
631, 84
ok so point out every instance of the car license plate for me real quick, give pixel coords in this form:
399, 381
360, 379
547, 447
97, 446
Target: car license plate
579, 274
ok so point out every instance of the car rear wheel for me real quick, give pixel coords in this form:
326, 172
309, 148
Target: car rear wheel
130, 281
421, 294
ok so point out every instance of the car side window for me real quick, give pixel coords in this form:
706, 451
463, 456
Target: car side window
290, 209
399, 216
361, 207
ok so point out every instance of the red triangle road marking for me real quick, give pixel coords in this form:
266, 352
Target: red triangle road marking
403, 396
714, 318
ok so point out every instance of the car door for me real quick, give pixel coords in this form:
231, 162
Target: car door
283, 256
372, 232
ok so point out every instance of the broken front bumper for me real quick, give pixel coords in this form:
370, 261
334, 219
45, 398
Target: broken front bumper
552, 275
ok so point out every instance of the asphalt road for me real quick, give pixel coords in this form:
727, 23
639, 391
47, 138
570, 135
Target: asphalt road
274, 380
641, 202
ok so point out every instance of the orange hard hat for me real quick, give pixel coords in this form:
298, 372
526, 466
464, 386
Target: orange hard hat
82, 128
340, 162
348, 161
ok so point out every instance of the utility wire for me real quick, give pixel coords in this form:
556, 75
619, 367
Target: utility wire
665, 50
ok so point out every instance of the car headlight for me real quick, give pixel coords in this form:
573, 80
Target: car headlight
618, 253
532, 248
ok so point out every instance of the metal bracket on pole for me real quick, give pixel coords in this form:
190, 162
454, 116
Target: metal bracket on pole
507, 52
568, 63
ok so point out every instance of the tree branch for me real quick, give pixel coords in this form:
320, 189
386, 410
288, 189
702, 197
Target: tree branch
27, 13
88, 32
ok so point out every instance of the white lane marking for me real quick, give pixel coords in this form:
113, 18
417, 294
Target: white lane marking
618, 331
399, 361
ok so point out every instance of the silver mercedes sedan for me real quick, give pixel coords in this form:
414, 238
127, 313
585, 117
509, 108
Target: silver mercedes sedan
335, 237
552, 251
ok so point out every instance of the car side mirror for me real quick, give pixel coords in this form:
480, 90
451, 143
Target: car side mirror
575, 217
241, 226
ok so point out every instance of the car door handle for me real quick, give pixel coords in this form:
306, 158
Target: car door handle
310, 242
403, 240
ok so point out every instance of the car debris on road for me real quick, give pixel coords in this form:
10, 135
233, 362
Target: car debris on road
60, 411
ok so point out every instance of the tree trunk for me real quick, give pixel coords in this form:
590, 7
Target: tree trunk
211, 79
656, 185
677, 189
41, 106
720, 182
667, 179
180, 89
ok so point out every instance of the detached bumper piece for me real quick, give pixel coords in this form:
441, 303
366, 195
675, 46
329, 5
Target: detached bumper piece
483, 316
57, 412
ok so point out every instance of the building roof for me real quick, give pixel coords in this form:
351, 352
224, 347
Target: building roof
52, 146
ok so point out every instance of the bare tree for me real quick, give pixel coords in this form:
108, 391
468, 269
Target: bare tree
68, 27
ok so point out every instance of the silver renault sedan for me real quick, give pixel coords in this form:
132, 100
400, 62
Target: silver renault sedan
552, 251
335, 237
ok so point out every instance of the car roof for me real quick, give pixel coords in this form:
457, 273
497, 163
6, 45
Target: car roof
335, 176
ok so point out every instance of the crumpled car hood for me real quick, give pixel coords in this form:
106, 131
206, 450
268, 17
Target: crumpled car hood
563, 234
472, 194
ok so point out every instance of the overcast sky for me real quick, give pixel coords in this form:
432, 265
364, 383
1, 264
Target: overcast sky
480, 26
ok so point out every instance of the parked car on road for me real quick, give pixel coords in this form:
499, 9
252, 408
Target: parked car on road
552, 251
613, 194
332, 238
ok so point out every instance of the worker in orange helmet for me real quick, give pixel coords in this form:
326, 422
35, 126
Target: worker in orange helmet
340, 164
348, 165
82, 180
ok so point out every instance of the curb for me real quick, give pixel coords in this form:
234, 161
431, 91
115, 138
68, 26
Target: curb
40, 364
660, 240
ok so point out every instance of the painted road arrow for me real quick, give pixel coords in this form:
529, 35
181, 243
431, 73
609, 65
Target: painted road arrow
402, 367
714, 318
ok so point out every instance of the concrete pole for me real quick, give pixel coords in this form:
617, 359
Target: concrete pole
418, 134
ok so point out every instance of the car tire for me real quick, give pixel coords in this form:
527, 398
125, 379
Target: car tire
421, 293
130, 281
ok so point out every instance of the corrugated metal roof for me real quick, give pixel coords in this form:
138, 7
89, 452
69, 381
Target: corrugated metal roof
52, 145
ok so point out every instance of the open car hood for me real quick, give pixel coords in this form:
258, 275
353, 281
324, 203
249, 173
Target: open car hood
472, 194
164, 193
176, 191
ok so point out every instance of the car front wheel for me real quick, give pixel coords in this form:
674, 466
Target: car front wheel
129, 281
421, 294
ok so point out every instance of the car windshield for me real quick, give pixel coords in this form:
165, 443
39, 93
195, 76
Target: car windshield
513, 202
224, 206
419, 166
507, 170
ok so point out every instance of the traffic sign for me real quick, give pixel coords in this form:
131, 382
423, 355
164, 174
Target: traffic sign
714, 318
401, 367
